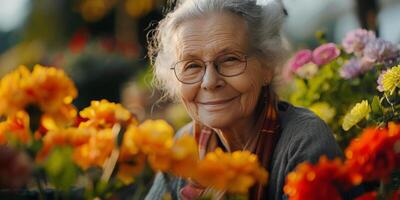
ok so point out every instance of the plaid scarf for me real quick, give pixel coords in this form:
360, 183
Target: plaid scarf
263, 146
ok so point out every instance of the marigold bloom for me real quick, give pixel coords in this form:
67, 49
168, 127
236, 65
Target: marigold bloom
235, 172
184, 156
391, 79
154, 136
96, 150
69, 136
52, 88
129, 167
14, 94
357, 113
321, 181
373, 155
104, 114
47, 88
15, 127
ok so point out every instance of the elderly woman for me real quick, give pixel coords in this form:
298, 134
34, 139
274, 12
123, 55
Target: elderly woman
220, 58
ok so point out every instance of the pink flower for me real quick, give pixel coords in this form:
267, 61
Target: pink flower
379, 50
301, 58
356, 40
325, 53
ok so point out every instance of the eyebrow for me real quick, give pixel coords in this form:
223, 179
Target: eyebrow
227, 49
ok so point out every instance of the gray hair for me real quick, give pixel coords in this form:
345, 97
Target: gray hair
264, 27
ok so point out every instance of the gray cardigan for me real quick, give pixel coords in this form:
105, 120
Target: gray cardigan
304, 137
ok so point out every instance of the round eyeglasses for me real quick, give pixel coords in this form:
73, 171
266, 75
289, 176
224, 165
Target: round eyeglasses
192, 71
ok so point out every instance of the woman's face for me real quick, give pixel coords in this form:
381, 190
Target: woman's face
218, 101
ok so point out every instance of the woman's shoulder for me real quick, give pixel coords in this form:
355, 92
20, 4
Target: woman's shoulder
300, 118
303, 132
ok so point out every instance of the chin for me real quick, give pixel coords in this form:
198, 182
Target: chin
218, 122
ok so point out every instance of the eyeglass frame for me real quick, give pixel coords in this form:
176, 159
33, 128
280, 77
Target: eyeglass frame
243, 58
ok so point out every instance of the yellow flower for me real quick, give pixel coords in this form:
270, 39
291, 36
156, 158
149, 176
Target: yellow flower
323, 110
181, 159
47, 88
96, 150
235, 172
14, 93
391, 79
104, 114
184, 156
357, 113
130, 167
15, 127
52, 88
69, 136
154, 136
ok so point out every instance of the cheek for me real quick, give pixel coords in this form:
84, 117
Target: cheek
250, 87
188, 93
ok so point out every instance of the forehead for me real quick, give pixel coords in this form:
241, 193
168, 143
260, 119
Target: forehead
211, 34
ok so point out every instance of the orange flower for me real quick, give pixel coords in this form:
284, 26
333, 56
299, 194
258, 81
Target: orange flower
96, 150
104, 114
154, 136
321, 181
14, 94
184, 156
16, 127
373, 155
130, 167
58, 137
51, 88
47, 88
180, 159
235, 172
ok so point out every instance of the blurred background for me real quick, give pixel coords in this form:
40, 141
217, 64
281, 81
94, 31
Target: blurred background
101, 43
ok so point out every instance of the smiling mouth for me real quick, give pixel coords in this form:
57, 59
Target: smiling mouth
217, 102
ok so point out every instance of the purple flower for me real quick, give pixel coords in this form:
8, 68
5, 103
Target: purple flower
355, 41
301, 58
351, 69
378, 50
325, 53
379, 81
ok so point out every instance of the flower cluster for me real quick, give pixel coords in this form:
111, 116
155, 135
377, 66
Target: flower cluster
371, 157
45, 89
237, 172
305, 63
368, 51
375, 154
325, 179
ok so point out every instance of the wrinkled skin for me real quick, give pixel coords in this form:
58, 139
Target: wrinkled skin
226, 104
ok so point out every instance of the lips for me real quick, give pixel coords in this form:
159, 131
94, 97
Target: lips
217, 102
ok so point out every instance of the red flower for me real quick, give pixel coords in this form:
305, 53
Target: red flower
321, 181
368, 196
372, 156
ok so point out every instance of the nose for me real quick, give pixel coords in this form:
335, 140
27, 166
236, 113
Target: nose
211, 78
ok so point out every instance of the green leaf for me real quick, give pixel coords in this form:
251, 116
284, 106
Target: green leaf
61, 169
376, 106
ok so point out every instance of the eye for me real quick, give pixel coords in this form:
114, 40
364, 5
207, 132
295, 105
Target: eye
230, 58
192, 65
